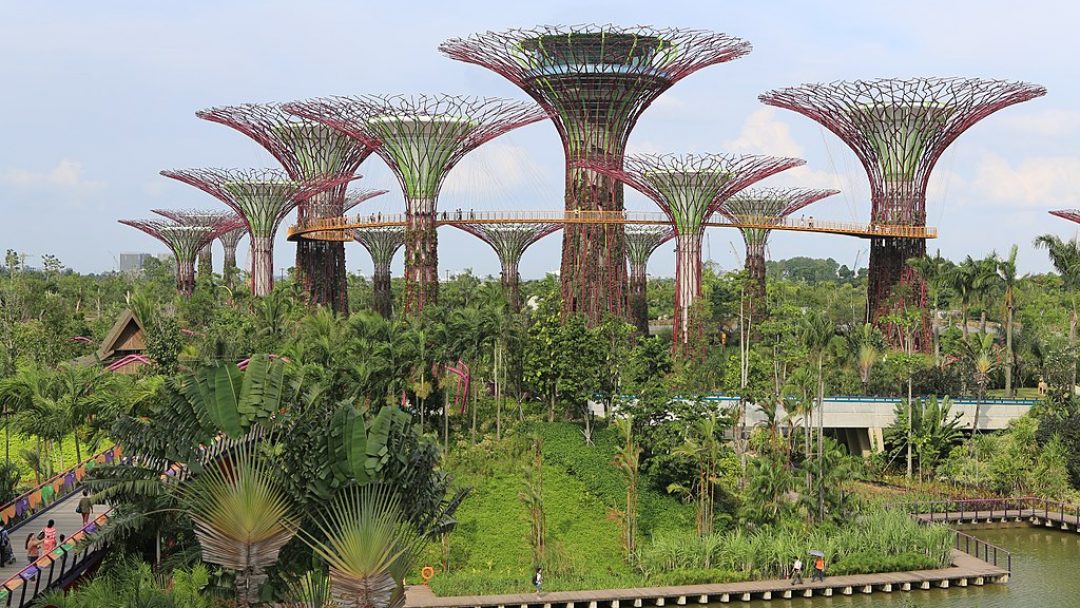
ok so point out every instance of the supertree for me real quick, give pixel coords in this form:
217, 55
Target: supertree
185, 241
381, 244
262, 197
757, 207
510, 242
306, 150
1073, 215
229, 241
203, 217
899, 129
689, 188
421, 138
595, 80
641, 241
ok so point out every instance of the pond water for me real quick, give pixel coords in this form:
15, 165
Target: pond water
1045, 575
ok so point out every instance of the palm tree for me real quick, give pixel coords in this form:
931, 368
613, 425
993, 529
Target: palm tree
864, 348
628, 460
981, 354
936, 271
17, 394
986, 285
83, 388
368, 547
704, 448
1006, 270
817, 331
1065, 256
242, 518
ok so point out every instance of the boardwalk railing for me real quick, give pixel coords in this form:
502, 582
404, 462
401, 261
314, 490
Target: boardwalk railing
991, 554
337, 228
58, 568
995, 508
52, 490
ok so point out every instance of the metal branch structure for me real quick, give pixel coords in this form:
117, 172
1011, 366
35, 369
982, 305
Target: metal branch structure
764, 205
641, 242
510, 242
262, 197
306, 150
421, 138
688, 189
1073, 215
355, 196
595, 80
382, 244
185, 241
203, 217
899, 129
229, 241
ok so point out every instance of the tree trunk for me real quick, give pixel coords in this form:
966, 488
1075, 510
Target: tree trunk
320, 265
382, 296
687, 286
638, 299
821, 439
228, 263
185, 278
909, 413
262, 265
592, 277
1009, 356
511, 280
982, 322
1072, 351
421, 256
888, 270
206, 261
756, 286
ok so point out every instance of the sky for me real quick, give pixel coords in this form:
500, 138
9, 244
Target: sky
98, 97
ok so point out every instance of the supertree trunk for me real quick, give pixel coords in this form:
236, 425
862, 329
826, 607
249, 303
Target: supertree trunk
511, 284
892, 285
687, 286
421, 256
228, 264
185, 278
262, 265
206, 261
638, 299
757, 305
383, 296
593, 271
320, 265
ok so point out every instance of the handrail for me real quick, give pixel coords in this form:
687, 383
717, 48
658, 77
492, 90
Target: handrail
72, 556
983, 550
52, 490
336, 228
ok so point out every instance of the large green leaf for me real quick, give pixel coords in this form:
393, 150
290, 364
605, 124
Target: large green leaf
262, 390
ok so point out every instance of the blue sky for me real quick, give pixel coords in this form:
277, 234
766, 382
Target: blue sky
100, 96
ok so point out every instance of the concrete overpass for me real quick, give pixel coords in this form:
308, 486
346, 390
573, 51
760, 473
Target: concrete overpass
859, 421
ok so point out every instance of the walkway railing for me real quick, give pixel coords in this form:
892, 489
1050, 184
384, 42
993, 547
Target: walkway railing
338, 228
991, 554
58, 568
52, 490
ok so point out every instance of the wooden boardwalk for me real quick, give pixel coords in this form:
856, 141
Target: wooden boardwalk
67, 522
965, 570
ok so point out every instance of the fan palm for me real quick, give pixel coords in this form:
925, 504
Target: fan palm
310, 591
367, 546
242, 518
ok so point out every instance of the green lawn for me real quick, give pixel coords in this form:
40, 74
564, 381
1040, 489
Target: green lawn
1021, 393
18, 443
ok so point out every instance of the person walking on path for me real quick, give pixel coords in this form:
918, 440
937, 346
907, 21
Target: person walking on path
538, 580
33, 548
86, 507
48, 537
819, 569
796, 572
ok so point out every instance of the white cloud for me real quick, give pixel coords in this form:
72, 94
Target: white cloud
67, 175
1037, 182
1048, 123
763, 134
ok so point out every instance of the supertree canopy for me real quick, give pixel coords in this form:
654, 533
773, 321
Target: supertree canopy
203, 217
382, 243
185, 241
899, 129
510, 242
689, 188
757, 207
1073, 215
595, 80
306, 150
421, 138
262, 197
641, 241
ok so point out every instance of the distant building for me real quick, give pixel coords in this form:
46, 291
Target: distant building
122, 350
132, 263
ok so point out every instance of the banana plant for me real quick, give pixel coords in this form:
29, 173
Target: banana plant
360, 449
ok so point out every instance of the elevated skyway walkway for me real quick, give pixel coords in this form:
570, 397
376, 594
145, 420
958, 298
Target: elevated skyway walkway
339, 228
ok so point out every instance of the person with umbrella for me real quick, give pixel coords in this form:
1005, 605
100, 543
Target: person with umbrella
819, 566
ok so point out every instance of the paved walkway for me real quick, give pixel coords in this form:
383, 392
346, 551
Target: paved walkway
67, 521
964, 569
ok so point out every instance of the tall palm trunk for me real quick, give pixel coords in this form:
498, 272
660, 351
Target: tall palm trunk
1072, 351
821, 438
1009, 356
